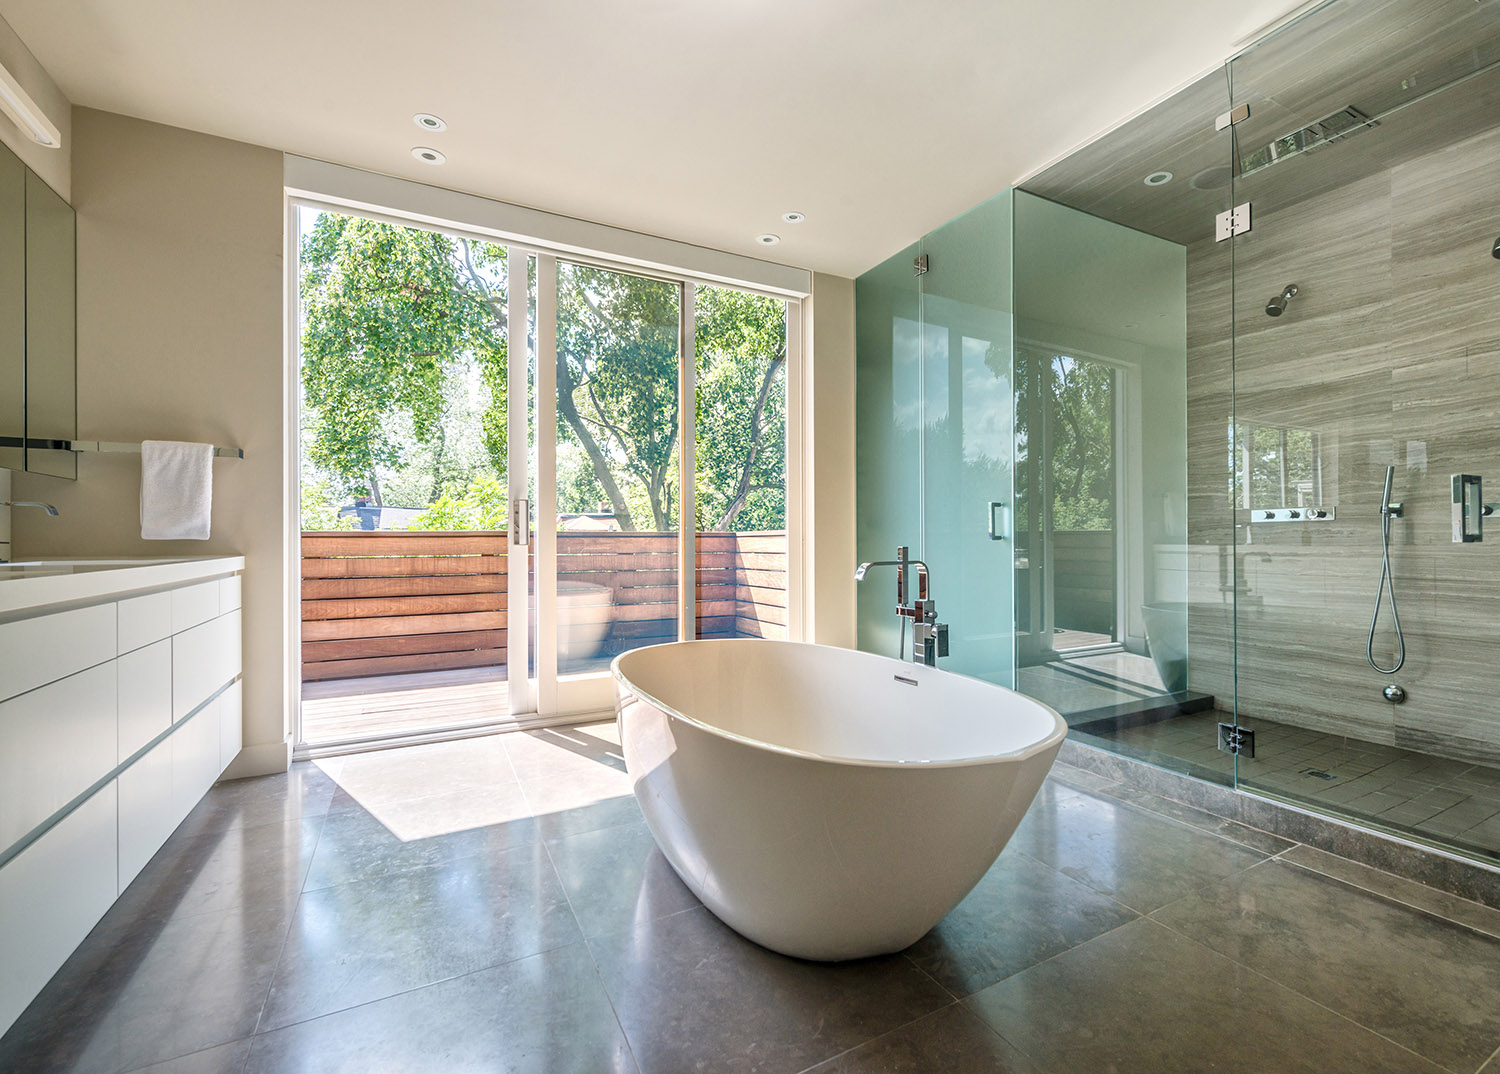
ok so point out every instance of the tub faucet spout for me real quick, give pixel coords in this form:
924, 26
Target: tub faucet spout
929, 638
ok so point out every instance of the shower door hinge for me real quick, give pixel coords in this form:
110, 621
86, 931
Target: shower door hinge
1232, 222
1233, 116
1236, 740
919, 265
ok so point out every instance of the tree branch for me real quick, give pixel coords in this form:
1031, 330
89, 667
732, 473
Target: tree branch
757, 435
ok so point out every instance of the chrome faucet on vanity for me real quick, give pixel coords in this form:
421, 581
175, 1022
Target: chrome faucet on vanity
929, 638
27, 503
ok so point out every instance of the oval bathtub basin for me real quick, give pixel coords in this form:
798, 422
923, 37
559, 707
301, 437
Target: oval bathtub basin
826, 803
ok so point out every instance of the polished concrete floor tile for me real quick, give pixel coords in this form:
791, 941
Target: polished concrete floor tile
225, 1059
1021, 913
303, 793
150, 993
1144, 1000
693, 995
1261, 841
362, 941
1426, 983
545, 1014
260, 867
1134, 856
355, 845
616, 878
1398, 889
952, 1041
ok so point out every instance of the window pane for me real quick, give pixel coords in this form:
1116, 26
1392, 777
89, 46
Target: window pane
740, 462
618, 487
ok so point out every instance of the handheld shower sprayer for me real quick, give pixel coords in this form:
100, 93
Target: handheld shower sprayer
1388, 511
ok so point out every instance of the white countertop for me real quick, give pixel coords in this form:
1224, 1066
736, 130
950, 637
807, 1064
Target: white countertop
37, 584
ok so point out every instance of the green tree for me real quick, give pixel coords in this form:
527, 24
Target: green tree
392, 316
387, 312
740, 345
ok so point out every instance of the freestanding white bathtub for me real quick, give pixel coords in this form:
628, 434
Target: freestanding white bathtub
826, 803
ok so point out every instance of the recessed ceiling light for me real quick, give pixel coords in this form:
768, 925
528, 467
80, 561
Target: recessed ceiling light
793, 217
428, 156
768, 240
1158, 178
429, 122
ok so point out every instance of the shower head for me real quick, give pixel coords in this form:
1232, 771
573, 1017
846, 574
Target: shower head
1277, 306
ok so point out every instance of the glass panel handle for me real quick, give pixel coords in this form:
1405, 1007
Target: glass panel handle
999, 520
520, 522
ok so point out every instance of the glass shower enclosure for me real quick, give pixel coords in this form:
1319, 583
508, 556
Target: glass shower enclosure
1175, 373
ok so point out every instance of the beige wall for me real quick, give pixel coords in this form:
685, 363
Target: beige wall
180, 292
830, 444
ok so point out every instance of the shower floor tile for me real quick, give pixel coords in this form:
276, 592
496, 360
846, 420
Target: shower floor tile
1437, 798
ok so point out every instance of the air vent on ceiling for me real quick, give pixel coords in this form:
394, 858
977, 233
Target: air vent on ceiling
1338, 125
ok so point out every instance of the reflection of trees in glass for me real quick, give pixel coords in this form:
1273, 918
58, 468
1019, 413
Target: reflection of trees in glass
1275, 466
1082, 436
1077, 432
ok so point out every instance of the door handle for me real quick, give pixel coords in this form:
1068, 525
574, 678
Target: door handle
520, 522
998, 520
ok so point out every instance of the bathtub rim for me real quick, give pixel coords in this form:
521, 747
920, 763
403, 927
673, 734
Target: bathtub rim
1052, 741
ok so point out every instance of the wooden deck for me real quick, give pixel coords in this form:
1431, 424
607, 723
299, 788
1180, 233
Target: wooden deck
401, 704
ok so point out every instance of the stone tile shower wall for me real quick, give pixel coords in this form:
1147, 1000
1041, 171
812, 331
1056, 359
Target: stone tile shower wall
1389, 354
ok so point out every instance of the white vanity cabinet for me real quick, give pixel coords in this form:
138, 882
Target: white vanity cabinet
120, 705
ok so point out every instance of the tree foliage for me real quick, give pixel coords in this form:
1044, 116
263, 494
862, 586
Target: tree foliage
387, 312
395, 322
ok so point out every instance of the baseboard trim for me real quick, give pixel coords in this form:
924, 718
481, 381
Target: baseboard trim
265, 759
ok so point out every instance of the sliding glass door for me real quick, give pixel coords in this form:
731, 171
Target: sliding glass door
515, 467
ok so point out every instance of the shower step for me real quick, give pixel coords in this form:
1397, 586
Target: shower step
1112, 719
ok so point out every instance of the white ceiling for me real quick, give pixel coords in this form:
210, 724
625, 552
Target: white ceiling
699, 120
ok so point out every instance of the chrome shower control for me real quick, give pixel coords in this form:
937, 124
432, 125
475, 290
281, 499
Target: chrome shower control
1394, 694
1293, 514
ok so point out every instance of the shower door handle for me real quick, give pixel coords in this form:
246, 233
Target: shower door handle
999, 520
1468, 508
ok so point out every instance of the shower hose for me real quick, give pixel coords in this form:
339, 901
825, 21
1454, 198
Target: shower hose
1387, 586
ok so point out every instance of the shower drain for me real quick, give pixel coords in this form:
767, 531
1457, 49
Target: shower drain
1318, 773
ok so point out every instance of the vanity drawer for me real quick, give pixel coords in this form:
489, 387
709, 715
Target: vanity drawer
229, 593
145, 678
55, 742
147, 814
50, 647
52, 894
144, 620
194, 604
204, 659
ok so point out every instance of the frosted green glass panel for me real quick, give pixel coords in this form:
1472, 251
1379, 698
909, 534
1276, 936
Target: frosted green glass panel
967, 409
889, 443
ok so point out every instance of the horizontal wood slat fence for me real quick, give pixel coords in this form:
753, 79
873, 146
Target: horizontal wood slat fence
393, 602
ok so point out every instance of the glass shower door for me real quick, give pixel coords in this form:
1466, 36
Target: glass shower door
968, 437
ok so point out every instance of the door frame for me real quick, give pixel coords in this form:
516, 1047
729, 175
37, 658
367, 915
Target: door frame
1129, 528
544, 700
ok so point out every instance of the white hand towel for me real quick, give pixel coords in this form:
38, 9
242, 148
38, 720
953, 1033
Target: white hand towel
176, 490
